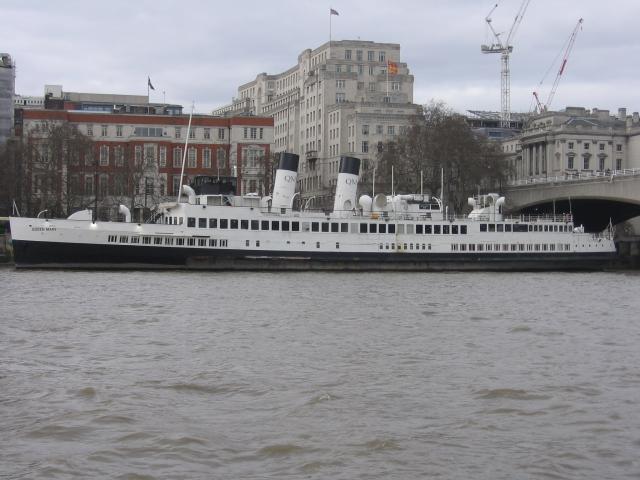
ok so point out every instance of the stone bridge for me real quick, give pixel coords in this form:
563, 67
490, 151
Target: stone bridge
594, 198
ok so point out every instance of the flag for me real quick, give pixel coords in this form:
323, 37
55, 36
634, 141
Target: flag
392, 68
149, 83
333, 12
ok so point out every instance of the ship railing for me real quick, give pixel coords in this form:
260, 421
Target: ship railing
573, 176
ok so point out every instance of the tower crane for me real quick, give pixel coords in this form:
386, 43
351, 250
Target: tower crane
563, 64
504, 49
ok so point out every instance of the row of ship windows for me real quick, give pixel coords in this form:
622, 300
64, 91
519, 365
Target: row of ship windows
170, 241
523, 227
324, 227
510, 247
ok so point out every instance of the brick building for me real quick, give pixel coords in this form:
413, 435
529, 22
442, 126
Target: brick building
136, 159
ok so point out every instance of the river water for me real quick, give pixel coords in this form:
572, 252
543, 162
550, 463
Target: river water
175, 375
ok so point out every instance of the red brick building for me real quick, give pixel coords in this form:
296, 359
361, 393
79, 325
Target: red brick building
137, 159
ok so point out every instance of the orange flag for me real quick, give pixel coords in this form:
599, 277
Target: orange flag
392, 67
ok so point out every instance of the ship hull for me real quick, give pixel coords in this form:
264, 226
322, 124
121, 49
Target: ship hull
43, 254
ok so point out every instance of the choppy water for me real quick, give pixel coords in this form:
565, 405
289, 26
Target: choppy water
167, 375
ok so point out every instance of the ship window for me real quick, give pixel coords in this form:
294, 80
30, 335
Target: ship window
223, 243
520, 227
112, 238
537, 247
479, 247
244, 224
463, 229
181, 220
344, 228
363, 228
295, 226
135, 239
507, 227
401, 228
234, 224
492, 227
191, 242
315, 227
521, 247
382, 228
124, 239
393, 246
472, 247
405, 246
337, 245
409, 228
392, 228
224, 223
555, 228
264, 225
325, 226
552, 247
381, 247
514, 247
213, 242
531, 228
255, 225
168, 240
335, 227
257, 243
454, 247
146, 240
445, 229
202, 242
202, 223
500, 227
544, 247
305, 226
419, 229
373, 228
191, 222
546, 228
454, 229
436, 229
275, 225
427, 229
246, 243
179, 241
213, 223
285, 226
411, 246
463, 247
386, 246
489, 247
483, 227
317, 244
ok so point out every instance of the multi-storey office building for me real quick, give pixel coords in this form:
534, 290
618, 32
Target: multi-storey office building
146, 150
344, 97
576, 140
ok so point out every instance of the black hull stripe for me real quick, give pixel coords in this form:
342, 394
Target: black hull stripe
69, 255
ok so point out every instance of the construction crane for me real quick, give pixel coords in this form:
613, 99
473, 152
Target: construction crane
504, 49
567, 51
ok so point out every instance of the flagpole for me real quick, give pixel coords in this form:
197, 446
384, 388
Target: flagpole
330, 14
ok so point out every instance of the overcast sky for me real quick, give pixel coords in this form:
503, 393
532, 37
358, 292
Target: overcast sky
203, 50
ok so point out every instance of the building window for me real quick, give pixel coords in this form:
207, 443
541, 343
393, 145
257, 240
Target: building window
177, 157
105, 130
178, 132
104, 155
360, 69
601, 164
570, 144
261, 131
163, 156
221, 134
381, 56
347, 54
386, 99
254, 133
103, 185
372, 86
90, 130
371, 55
379, 129
602, 146
245, 133
138, 154
395, 86
88, 185
618, 164
340, 98
206, 158
619, 147
221, 158
359, 55
192, 133
365, 129
365, 147
340, 83
150, 154
176, 184
586, 145
119, 154
192, 160
207, 133
338, 68
118, 130
391, 130
586, 164
570, 163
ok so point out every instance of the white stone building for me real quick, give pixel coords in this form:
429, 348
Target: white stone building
7, 92
343, 98
574, 141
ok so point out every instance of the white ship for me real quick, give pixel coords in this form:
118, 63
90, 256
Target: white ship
219, 231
